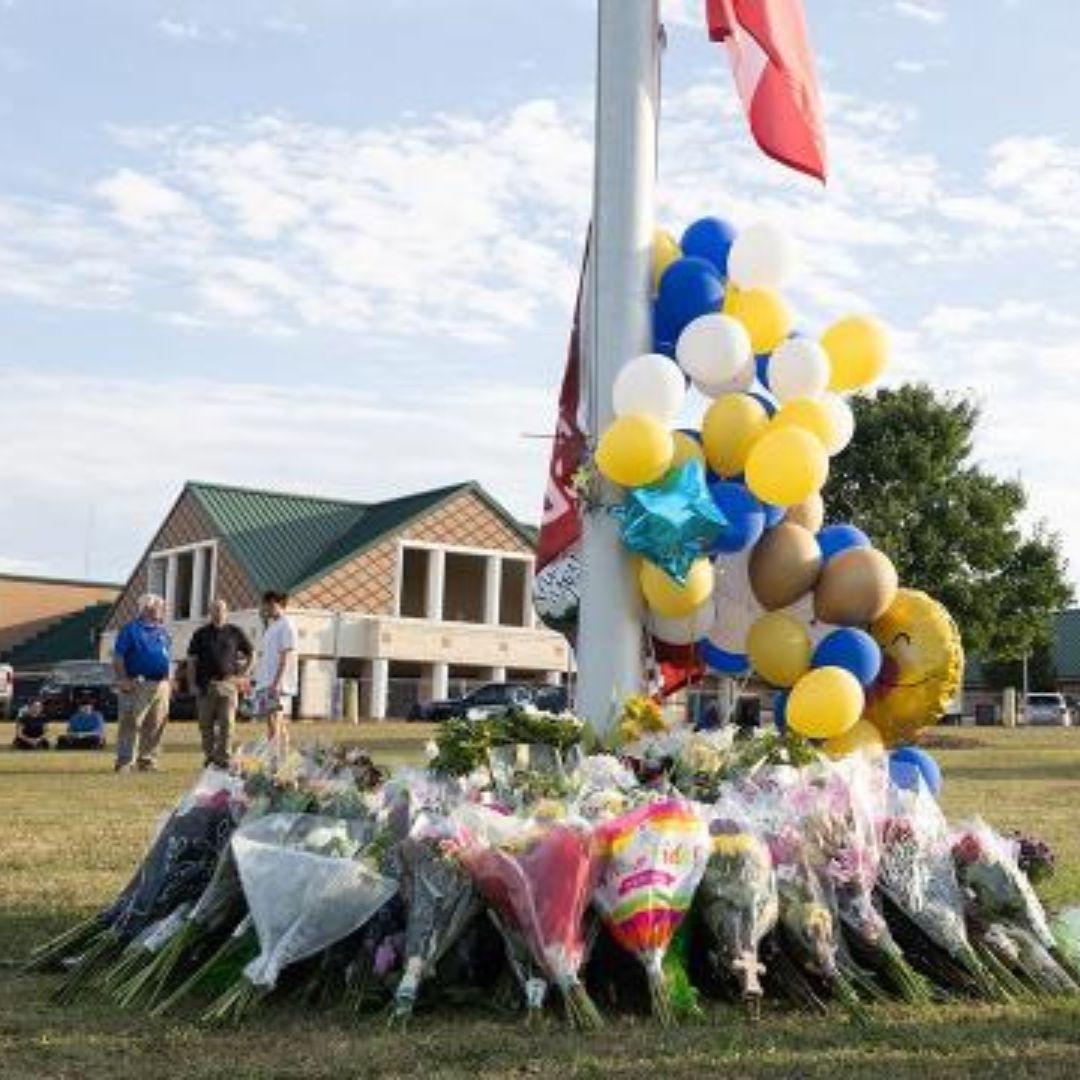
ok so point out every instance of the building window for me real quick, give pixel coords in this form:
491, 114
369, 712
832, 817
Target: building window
512, 599
185, 577
464, 590
412, 602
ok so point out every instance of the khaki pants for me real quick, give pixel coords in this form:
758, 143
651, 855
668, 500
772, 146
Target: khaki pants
217, 717
144, 709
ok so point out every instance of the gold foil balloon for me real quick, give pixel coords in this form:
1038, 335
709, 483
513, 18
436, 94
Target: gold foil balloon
855, 588
784, 565
922, 668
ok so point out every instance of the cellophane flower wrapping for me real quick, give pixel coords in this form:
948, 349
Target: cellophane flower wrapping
440, 900
538, 879
737, 899
845, 801
918, 876
1002, 903
306, 886
654, 858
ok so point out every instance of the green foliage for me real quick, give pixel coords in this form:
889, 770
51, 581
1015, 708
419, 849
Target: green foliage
951, 528
463, 745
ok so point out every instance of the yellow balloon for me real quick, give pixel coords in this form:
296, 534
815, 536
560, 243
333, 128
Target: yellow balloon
665, 250
779, 648
858, 348
732, 424
786, 466
635, 450
810, 415
667, 597
764, 313
863, 736
925, 665
825, 703
687, 448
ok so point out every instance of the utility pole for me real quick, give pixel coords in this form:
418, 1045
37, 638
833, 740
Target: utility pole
617, 326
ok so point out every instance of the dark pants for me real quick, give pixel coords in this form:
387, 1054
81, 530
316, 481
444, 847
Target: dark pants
22, 742
80, 742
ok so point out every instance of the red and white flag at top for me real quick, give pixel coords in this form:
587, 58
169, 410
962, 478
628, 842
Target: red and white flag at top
773, 66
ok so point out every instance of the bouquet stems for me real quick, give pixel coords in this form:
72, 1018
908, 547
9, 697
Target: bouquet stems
235, 1004
581, 1011
659, 991
106, 946
235, 952
71, 942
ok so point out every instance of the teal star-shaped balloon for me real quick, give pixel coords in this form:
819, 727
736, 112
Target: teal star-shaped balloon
672, 523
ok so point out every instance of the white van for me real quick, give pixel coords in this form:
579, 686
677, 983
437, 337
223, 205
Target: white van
7, 689
1047, 709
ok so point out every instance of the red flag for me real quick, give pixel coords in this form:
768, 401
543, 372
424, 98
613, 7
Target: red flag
560, 526
774, 71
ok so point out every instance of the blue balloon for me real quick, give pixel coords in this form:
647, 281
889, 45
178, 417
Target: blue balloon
836, 538
710, 238
779, 708
767, 403
727, 663
744, 513
664, 334
761, 364
773, 515
851, 649
911, 765
689, 288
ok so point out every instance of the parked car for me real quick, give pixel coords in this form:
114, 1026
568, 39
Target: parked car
7, 690
483, 701
1046, 709
73, 682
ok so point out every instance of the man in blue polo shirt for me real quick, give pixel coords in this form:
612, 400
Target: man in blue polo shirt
142, 660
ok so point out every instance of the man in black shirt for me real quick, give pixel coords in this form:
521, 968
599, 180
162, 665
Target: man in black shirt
219, 654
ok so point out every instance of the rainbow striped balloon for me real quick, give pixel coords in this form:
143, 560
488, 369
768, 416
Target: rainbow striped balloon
655, 857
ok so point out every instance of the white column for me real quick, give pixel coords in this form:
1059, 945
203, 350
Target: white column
440, 680
170, 588
553, 678
617, 326
380, 688
498, 674
492, 589
198, 601
529, 617
436, 582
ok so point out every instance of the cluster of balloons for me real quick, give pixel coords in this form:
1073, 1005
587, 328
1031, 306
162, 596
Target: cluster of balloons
727, 517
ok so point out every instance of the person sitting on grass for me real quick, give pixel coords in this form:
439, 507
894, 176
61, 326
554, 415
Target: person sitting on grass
31, 728
85, 730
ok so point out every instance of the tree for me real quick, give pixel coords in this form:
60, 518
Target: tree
952, 529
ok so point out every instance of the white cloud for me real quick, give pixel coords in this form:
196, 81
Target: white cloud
141, 202
179, 30
249, 433
931, 12
910, 67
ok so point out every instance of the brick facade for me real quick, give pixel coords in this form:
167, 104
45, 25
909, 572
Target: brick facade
187, 524
366, 583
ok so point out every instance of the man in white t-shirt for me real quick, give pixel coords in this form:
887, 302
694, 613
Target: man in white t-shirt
276, 673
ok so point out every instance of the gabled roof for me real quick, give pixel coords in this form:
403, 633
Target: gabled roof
1067, 644
72, 637
285, 541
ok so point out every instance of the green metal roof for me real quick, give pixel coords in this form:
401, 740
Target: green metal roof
285, 541
275, 536
1067, 644
72, 637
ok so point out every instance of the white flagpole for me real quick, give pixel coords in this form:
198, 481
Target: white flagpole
617, 326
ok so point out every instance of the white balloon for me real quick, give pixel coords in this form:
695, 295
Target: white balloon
715, 390
652, 385
798, 367
842, 418
763, 256
685, 630
737, 608
715, 350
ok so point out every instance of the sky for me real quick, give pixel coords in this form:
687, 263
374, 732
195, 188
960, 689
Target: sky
331, 246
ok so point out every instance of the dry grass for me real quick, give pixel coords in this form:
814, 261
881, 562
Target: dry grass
70, 832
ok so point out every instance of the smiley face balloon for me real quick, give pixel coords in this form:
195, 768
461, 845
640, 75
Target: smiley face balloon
923, 663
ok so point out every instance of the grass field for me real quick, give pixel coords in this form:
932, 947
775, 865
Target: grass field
70, 832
